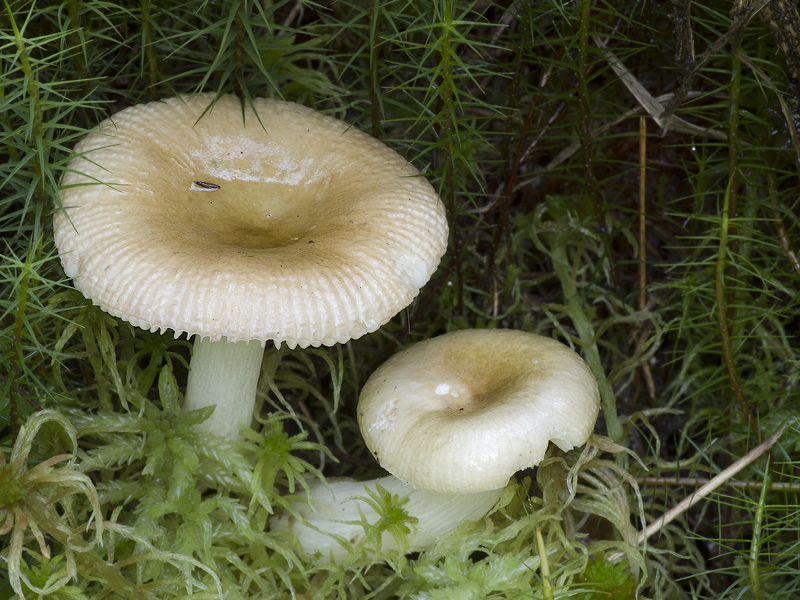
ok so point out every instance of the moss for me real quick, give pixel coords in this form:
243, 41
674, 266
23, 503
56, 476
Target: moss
10, 490
605, 579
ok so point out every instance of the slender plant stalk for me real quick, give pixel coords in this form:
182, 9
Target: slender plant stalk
584, 120
36, 133
547, 587
447, 115
13, 153
147, 45
755, 540
641, 299
77, 46
374, 59
774, 486
722, 271
17, 358
588, 341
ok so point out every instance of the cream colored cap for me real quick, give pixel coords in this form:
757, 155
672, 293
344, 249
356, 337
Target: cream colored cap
463, 412
289, 226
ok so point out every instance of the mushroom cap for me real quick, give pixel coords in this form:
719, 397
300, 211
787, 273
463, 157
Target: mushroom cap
463, 412
287, 225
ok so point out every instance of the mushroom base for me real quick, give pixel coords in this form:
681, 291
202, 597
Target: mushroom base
333, 520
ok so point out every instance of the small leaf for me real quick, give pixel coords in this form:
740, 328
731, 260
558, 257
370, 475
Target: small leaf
168, 390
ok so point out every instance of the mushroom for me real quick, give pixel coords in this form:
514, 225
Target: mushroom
238, 224
453, 418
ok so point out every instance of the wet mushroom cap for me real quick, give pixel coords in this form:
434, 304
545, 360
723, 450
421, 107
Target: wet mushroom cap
283, 224
463, 412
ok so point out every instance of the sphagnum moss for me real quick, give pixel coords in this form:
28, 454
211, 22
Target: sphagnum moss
35, 502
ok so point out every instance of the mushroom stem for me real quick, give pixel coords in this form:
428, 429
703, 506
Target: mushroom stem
224, 374
333, 518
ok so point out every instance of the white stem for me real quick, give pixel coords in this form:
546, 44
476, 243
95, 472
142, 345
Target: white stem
224, 374
336, 510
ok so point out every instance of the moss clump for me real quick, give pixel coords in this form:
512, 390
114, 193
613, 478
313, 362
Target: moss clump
604, 579
10, 491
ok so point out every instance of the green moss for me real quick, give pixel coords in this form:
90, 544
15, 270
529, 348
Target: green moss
10, 490
605, 579
47, 575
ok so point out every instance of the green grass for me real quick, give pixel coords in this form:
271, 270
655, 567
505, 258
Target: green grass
513, 112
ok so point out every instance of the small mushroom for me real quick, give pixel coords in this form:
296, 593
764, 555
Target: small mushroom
454, 417
196, 215
463, 412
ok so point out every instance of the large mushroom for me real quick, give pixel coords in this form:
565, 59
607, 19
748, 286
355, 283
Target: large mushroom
452, 419
238, 224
